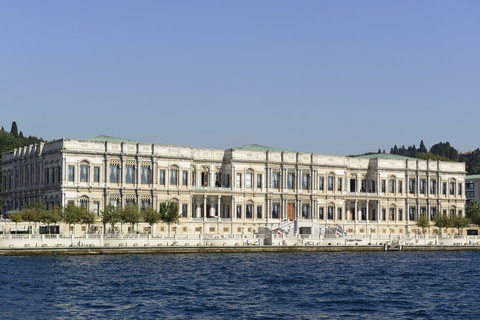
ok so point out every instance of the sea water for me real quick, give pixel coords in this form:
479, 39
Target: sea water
370, 285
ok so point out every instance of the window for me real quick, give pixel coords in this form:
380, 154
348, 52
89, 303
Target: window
411, 185
239, 180
339, 184
130, 201
305, 180
459, 189
383, 186
330, 213
470, 194
275, 207
84, 203
469, 185
83, 173
444, 188
339, 213
320, 213
259, 181
239, 212
452, 188
391, 186
290, 180
146, 175
114, 202
248, 180
433, 186
96, 208
400, 214
71, 173
321, 182
114, 173
129, 174
330, 183
218, 179
411, 213
400, 187
363, 186
96, 174
392, 214
144, 204
184, 210
373, 186
162, 177
305, 211
275, 178
184, 178
384, 214
173, 177
423, 184
259, 212
205, 179
248, 211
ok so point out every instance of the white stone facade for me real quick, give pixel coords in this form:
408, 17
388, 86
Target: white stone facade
236, 190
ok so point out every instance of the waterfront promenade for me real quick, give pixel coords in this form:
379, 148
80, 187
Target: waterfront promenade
22, 244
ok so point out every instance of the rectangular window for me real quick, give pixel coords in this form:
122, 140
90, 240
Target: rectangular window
83, 173
248, 180
374, 186
259, 212
339, 213
330, 183
339, 184
305, 211
422, 186
400, 214
400, 187
114, 202
184, 178
305, 181
259, 180
84, 203
129, 174
392, 214
433, 186
320, 213
384, 214
330, 213
145, 203
239, 212
411, 213
459, 189
173, 177
321, 182
114, 173
146, 175
384, 186
239, 180
96, 174
470, 194
391, 186
469, 185
218, 178
444, 188
411, 185
248, 211
275, 207
162, 177
290, 180
363, 186
275, 180
452, 188
96, 208
71, 173
184, 210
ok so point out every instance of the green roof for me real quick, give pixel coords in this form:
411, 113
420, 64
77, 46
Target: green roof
257, 147
384, 156
109, 138
472, 177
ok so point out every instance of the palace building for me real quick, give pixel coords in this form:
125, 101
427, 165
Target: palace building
236, 190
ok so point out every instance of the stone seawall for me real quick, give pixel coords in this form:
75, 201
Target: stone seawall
236, 249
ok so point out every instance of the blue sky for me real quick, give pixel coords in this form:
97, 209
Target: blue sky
336, 77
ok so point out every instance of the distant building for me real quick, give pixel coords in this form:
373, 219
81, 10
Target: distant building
472, 187
236, 190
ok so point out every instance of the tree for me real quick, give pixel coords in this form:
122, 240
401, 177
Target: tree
14, 129
151, 216
442, 221
71, 215
50, 216
111, 216
86, 217
423, 222
460, 222
130, 214
422, 147
169, 213
15, 217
